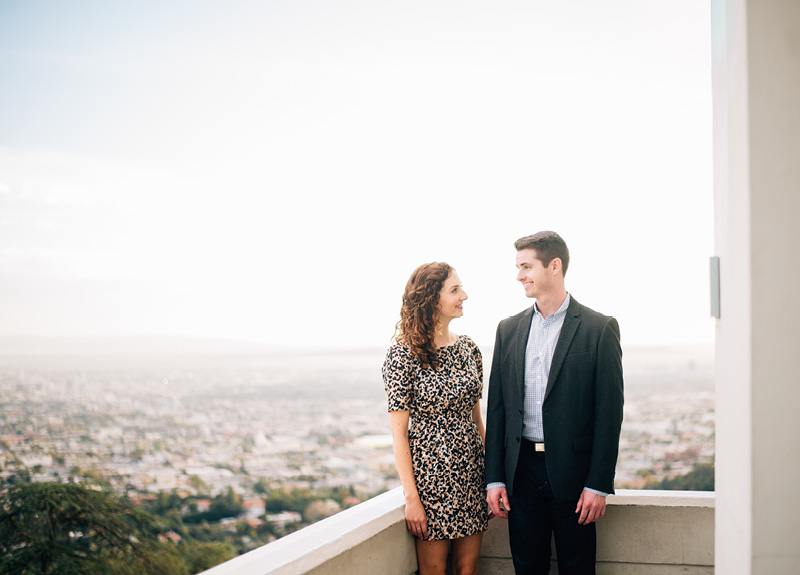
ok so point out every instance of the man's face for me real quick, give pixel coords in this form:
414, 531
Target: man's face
535, 278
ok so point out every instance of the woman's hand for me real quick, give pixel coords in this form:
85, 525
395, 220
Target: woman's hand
416, 522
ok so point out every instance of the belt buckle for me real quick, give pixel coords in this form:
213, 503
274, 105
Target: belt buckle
538, 447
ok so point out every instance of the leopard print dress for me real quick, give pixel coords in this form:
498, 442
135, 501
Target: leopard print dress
446, 447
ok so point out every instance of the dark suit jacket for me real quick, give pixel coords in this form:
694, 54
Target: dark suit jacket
582, 409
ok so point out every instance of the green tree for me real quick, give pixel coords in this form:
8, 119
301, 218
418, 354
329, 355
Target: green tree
166, 502
261, 486
701, 478
202, 556
197, 483
166, 557
73, 529
224, 505
294, 500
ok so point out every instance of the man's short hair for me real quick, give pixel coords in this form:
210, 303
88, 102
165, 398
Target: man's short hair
548, 246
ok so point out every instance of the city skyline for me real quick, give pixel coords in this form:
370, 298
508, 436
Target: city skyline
287, 419
273, 172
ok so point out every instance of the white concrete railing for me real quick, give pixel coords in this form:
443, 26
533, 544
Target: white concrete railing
653, 532
366, 539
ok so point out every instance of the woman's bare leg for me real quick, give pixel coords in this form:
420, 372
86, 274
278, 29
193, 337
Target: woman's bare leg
466, 553
432, 556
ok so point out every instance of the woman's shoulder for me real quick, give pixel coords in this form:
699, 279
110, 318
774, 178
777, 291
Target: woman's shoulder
466, 342
398, 352
398, 347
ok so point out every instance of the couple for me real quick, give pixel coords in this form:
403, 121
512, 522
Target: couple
553, 419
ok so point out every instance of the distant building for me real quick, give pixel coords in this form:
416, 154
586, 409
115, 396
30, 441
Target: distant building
254, 508
283, 519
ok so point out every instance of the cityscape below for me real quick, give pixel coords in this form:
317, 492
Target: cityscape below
202, 423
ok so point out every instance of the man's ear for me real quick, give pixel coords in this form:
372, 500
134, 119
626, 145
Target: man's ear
555, 265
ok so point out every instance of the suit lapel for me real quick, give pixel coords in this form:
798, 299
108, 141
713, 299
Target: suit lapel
571, 323
523, 331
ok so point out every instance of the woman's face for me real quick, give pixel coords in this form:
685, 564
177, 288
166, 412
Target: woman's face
451, 298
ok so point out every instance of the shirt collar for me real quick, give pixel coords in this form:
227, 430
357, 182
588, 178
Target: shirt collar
561, 311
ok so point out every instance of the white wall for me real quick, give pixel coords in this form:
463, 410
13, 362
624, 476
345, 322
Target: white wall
756, 52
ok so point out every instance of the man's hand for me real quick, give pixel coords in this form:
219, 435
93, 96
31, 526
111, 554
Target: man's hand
497, 498
591, 507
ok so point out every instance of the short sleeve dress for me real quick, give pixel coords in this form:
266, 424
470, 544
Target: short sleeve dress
446, 448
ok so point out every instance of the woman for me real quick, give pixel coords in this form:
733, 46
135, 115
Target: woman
434, 379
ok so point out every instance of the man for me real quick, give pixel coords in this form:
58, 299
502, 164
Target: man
554, 416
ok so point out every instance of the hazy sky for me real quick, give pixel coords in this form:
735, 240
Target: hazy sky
273, 171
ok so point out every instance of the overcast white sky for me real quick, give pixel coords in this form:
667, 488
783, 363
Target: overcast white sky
273, 171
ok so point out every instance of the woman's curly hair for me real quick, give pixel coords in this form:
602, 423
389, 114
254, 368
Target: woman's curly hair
418, 314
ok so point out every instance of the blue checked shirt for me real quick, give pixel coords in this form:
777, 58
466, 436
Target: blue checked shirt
542, 341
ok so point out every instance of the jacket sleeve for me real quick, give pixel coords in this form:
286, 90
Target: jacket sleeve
495, 418
607, 409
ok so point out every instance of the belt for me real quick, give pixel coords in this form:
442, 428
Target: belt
536, 445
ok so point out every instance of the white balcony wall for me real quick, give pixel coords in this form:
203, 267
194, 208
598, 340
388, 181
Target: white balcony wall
756, 87
643, 532
366, 539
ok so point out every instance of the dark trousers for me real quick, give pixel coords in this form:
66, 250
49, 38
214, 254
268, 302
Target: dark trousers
536, 515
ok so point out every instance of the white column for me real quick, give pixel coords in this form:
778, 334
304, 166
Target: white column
756, 85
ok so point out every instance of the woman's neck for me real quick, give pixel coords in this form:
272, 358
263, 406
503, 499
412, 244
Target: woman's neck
443, 335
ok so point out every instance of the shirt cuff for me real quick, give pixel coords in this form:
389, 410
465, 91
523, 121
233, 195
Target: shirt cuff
495, 484
590, 490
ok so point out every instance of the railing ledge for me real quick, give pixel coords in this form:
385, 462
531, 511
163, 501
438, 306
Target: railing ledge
312, 546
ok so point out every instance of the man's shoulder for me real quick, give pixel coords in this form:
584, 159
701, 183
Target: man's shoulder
588, 313
516, 318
